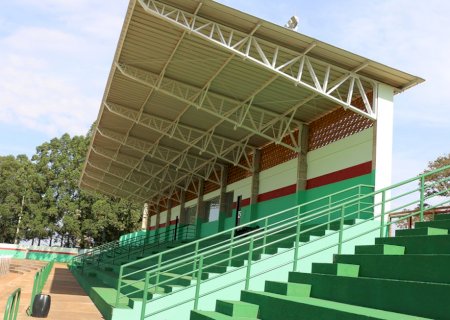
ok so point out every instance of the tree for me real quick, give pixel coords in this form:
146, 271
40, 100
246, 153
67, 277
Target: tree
438, 183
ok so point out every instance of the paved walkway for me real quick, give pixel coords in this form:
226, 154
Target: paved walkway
69, 301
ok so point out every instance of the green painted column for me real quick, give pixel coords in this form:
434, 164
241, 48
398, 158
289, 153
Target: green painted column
255, 184
302, 164
169, 235
199, 215
223, 192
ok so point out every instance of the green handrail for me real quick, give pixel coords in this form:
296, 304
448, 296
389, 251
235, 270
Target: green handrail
40, 278
355, 190
12, 305
119, 249
379, 202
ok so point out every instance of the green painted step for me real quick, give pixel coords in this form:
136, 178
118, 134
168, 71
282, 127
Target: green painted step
420, 244
443, 224
442, 216
276, 307
425, 268
213, 315
237, 309
420, 232
337, 269
288, 288
390, 295
379, 249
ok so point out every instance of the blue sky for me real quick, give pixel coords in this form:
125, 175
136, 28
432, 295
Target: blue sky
56, 56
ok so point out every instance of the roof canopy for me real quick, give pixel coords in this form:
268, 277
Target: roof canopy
196, 85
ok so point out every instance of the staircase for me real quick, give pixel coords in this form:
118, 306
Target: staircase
169, 281
403, 277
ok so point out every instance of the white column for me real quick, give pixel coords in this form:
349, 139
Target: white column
383, 140
144, 225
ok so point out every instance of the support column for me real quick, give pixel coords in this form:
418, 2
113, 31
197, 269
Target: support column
183, 220
200, 212
255, 184
223, 198
158, 220
169, 235
302, 164
383, 140
145, 217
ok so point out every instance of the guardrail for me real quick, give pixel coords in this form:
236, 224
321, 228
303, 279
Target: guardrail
40, 278
289, 228
109, 253
228, 238
12, 305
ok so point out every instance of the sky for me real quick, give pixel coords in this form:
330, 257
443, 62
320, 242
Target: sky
56, 56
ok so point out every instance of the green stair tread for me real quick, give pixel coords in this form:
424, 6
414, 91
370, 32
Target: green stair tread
380, 248
213, 315
109, 296
237, 308
428, 231
343, 307
437, 244
288, 288
442, 216
339, 269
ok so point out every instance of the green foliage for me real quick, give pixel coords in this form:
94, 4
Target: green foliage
438, 183
54, 206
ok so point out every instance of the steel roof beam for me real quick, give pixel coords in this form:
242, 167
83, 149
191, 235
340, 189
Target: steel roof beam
144, 169
241, 114
288, 63
205, 142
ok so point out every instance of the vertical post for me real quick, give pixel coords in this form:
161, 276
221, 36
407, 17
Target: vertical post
168, 219
199, 215
302, 164
199, 280
266, 222
223, 198
230, 254
182, 215
255, 184
383, 208
176, 229
16, 238
422, 196
119, 281
341, 230
195, 258
297, 241
249, 263
144, 296
144, 225
158, 269
157, 223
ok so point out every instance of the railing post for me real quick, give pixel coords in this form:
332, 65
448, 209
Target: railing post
158, 270
297, 241
199, 280
195, 258
144, 295
119, 280
422, 196
266, 221
383, 209
230, 255
341, 229
329, 213
249, 263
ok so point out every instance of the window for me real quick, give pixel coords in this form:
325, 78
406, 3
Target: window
189, 214
212, 208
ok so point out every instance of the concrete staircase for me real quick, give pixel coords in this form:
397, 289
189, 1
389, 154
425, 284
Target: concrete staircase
403, 277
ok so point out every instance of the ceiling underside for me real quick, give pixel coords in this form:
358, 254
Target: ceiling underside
196, 86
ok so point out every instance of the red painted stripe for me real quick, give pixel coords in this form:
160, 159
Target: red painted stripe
285, 191
152, 228
13, 249
162, 225
173, 222
344, 174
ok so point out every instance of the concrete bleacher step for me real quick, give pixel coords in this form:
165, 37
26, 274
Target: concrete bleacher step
442, 224
213, 315
420, 232
237, 308
425, 268
384, 294
438, 244
379, 249
442, 216
337, 269
275, 307
288, 288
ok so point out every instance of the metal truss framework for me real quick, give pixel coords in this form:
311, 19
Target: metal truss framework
205, 142
267, 124
300, 69
185, 166
142, 167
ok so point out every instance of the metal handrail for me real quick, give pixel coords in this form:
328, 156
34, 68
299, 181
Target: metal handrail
40, 278
378, 202
250, 241
125, 247
329, 201
12, 305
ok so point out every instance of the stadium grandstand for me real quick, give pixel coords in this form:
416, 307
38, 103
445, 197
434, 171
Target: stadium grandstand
257, 153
